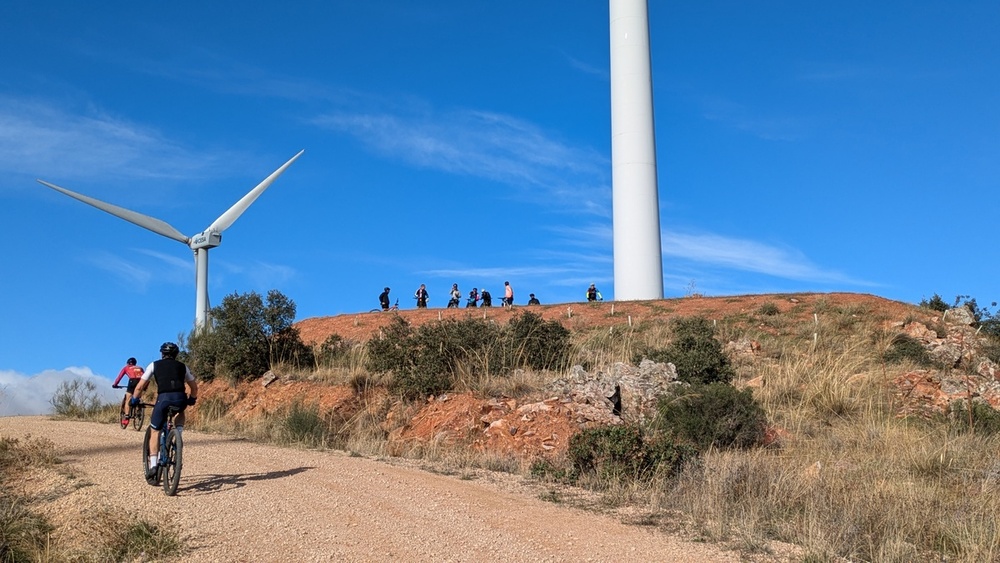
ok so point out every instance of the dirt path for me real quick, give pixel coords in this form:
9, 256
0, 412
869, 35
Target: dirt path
240, 501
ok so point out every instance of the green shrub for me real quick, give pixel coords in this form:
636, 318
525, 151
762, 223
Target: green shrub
77, 398
904, 347
694, 351
768, 309
426, 361
713, 415
981, 419
247, 338
935, 303
612, 453
537, 343
304, 425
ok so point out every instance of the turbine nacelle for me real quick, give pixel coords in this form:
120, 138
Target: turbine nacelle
206, 239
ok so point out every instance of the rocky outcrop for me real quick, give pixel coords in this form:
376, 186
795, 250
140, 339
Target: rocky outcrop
626, 392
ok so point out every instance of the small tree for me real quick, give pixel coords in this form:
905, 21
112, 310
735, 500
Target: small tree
76, 398
249, 336
694, 351
716, 415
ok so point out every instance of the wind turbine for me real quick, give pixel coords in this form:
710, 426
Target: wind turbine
199, 243
635, 203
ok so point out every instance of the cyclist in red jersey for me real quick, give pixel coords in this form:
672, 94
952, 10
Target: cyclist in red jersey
133, 372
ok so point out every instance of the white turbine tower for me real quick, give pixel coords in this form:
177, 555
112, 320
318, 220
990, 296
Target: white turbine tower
200, 243
636, 208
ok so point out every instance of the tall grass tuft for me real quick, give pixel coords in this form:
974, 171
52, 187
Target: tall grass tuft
24, 533
131, 536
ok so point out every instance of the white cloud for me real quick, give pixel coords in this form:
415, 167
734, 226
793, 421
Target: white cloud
37, 136
22, 394
486, 145
126, 273
749, 256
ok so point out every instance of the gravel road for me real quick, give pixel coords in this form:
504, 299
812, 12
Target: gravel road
240, 501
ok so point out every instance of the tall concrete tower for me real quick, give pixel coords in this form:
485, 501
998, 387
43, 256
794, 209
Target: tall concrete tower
636, 207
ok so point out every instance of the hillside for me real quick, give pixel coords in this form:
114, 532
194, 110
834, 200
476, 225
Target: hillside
484, 423
581, 316
861, 459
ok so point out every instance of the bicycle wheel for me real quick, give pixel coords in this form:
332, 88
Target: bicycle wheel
155, 480
172, 470
138, 417
121, 415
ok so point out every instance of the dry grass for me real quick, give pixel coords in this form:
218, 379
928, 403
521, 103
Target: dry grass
848, 479
852, 480
26, 535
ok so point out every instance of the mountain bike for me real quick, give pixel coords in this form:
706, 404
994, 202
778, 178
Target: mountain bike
137, 417
169, 464
395, 307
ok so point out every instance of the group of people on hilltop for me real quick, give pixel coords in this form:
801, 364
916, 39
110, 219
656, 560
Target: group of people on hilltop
476, 296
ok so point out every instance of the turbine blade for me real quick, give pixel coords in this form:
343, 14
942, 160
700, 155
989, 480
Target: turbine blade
157, 226
234, 212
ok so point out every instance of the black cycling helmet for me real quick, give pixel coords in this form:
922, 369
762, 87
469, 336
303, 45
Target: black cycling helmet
131, 361
169, 349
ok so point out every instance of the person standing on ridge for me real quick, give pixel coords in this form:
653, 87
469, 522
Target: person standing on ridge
487, 298
383, 299
455, 295
421, 296
532, 300
593, 294
508, 294
473, 300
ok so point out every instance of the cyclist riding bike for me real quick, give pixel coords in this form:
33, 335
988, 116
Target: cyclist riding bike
133, 372
171, 377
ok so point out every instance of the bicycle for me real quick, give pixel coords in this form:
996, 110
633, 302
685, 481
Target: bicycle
395, 307
171, 449
138, 416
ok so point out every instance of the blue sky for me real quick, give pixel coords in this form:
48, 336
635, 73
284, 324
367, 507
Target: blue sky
850, 146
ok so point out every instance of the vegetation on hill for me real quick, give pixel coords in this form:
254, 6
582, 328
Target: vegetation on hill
799, 435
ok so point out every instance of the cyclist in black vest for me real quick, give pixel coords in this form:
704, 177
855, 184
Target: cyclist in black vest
171, 377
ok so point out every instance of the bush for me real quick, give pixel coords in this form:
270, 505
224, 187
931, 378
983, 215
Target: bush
713, 415
77, 398
537, 344
427, 360
768, 309
935, 304
694, 351
905, 347
248, 337
614, 452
